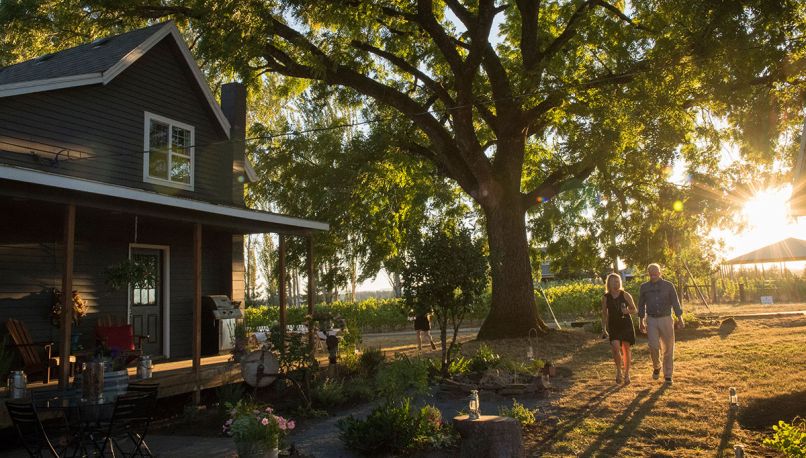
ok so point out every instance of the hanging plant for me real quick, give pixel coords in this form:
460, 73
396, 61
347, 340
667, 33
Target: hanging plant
80, 308
139, 274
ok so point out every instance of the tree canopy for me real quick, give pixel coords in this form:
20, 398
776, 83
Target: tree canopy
519, 103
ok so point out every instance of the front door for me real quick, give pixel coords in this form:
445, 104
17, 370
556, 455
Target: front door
146, 300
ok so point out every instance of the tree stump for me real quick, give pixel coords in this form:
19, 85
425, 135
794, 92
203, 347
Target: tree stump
490, 436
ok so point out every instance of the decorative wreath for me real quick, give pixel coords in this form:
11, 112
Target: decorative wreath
80, 308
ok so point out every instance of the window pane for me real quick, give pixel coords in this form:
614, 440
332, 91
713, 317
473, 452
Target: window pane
158, 136
180, 169
180, 140
158, 164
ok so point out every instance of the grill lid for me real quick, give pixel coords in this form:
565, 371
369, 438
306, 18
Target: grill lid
223, 314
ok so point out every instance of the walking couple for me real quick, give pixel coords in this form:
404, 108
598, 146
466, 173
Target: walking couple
657, 298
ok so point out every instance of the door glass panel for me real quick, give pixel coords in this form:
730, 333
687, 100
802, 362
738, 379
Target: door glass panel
145, 291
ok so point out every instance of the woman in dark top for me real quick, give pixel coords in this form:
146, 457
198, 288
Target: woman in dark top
617, 306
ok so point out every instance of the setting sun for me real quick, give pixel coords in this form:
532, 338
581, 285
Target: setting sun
768, 220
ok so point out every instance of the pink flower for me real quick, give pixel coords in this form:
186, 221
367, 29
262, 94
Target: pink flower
291, 425
269, 410
282, 423
264, 422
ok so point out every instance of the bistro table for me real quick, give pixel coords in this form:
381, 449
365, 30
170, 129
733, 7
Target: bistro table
84, 417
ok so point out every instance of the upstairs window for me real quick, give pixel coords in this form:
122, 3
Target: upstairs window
169, 152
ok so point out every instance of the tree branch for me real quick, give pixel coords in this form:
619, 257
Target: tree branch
461, 165
559, 180
618, 13
530, 13
405, 66
567, 33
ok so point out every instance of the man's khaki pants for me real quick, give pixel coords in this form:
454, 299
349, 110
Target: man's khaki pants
660, 336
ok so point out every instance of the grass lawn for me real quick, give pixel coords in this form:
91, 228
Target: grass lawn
588, 415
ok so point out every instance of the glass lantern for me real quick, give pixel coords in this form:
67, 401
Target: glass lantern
473, 405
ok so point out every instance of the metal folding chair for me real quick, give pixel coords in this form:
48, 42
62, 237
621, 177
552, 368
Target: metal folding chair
151, 389
31, 431
130, 421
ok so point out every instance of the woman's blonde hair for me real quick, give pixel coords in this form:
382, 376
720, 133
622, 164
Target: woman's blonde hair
607, 282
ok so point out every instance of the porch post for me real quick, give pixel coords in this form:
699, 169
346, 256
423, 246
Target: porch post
67, 295
197, 273
311, 290
281, 281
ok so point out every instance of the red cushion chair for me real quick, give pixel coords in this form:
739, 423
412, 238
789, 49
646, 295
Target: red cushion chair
120, 338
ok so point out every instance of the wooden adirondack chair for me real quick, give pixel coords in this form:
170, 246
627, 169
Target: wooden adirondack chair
117, 335
37, 357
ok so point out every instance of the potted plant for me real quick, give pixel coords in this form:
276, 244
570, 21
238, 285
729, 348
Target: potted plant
257, 431
129, 272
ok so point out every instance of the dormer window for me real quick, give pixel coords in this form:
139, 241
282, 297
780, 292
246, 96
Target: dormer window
169, 152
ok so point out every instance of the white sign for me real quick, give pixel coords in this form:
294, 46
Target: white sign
766, 300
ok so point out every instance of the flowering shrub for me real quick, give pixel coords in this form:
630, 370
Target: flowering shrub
249, 423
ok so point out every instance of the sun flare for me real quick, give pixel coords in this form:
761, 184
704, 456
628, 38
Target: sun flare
768, 220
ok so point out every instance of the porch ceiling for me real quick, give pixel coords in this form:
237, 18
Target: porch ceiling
31, 184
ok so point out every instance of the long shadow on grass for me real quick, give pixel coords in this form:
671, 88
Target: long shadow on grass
624, 426
579, 416
727, 433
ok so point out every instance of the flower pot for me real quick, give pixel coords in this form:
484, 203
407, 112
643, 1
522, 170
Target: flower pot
75, 337
256, 450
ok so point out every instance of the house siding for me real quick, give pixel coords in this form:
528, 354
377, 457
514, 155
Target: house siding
101, 127
31, 265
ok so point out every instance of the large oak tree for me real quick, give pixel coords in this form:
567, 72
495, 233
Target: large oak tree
519, 101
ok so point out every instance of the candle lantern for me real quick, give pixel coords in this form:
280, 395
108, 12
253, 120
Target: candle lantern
733, 397
474, 410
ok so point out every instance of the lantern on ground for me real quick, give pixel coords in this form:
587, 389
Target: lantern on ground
733, 398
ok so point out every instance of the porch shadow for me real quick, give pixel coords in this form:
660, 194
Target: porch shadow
611, 441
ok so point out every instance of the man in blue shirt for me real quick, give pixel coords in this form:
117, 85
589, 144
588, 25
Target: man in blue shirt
656, 300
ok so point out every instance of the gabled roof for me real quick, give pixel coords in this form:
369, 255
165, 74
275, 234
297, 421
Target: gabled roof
790, 249
99, 62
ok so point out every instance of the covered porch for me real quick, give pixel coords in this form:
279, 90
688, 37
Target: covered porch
175, 377
92, 223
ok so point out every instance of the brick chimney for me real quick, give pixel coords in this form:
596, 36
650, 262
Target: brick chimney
233, 104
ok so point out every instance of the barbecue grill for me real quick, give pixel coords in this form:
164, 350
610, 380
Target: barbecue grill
218, 323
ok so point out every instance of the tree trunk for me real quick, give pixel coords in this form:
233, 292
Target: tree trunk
397, 284
513, 311
353, 278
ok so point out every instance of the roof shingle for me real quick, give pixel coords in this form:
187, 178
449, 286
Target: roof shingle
95, 57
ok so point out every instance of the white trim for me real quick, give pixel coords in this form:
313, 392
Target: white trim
97, 188
148, 116
7, 90
251, 175
166, 294
27, 87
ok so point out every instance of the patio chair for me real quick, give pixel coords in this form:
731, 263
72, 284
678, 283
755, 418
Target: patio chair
119, 337
130, 421
150, 389
32, 433
37, 357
